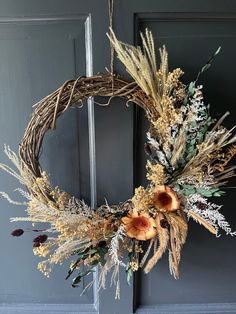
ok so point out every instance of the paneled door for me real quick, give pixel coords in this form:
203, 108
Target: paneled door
97, 152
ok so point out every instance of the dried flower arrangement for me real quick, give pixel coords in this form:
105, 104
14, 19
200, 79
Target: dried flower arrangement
188, 161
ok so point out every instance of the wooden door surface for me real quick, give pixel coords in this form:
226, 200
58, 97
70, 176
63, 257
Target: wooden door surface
97, 152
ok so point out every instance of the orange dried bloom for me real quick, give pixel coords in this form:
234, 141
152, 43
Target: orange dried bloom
166, 199
140, 227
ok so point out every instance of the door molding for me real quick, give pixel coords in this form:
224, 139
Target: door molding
184, 16
205, 308
36, 308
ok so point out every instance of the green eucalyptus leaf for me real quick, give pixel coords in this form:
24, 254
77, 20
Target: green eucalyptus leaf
78, 278
189, 192
92, 251
102, 261
129, 274
214, 190
191, 155
200, 137
194, 124
218, 193
177, 187
204, 192
70, 272
94, 263
191, 88
76, 281
217, 51
206, 67
208, 64
73, 268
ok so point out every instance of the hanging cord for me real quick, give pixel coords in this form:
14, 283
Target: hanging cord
111, 11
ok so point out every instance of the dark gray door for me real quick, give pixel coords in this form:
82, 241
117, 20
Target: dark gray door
44, 43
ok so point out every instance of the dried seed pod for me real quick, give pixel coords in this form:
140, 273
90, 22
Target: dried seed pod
201, 205
147, 149
164, 223
102, 244
41, 238
17, 232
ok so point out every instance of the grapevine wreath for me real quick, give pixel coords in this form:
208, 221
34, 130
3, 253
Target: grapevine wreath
188, 161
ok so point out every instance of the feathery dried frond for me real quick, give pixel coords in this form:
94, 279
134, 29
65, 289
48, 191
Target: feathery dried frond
10, 200
202, 221
178, 234
141, 65
146, 253
163, 237
115, 247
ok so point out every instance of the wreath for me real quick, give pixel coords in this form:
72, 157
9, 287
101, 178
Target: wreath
188, 161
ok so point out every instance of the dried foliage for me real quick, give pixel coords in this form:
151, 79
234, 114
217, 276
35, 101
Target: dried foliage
188, 163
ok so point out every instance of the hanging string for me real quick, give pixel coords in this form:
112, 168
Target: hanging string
111, 10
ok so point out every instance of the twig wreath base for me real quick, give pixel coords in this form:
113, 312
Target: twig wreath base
189, 155
72, 93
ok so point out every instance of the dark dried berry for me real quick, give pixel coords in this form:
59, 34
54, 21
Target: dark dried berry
201, 206
102, 244
41, 238
178, 104
17, 232
36, 244
164, 223
147, 149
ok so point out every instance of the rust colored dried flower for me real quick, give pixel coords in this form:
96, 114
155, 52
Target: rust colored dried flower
17, 232
140, 227
166, 199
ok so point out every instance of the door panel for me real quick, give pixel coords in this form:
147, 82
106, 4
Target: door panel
190, 39
37, 55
